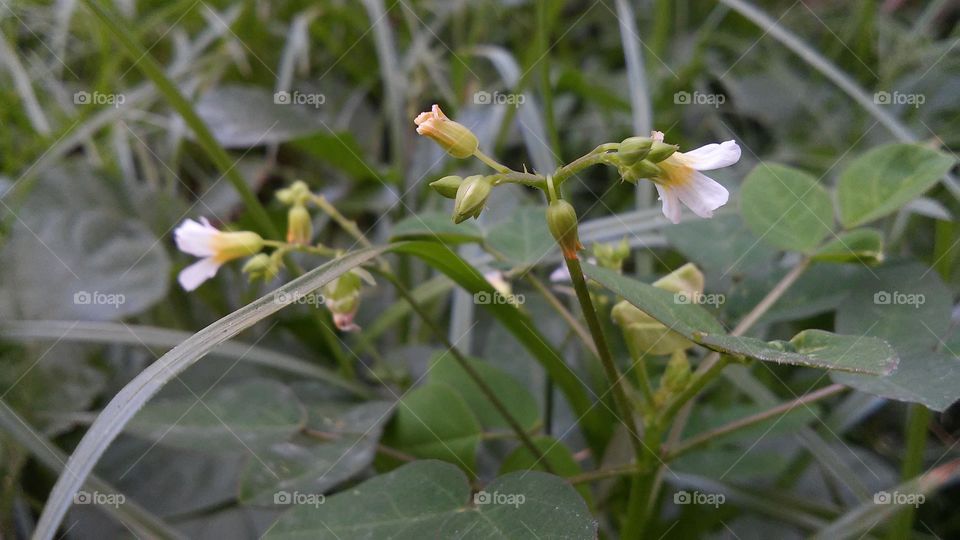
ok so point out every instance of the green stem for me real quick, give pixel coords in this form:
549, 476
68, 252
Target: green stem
597, 156
918, 419
494, 164
606, 359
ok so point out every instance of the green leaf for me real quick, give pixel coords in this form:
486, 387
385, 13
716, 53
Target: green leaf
886, 178
812, 348
722, 244
431, 499
436, 226
908, 305
433, 421
245, 116
338, 149
859, 245
246, 415
524, 238
311, 465
445, 370
786, 207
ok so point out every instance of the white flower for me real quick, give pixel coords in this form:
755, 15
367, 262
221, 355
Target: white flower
202, 239
682, 181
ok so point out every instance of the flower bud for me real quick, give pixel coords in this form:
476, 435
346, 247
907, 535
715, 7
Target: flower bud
634, 149
299, 225
453, 137
562, 222
261, 266
297, 193
471, 198
447, 186
645, 335
342, 298
660, 151
611, 256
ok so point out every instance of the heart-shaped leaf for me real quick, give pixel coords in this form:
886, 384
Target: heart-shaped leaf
786, 207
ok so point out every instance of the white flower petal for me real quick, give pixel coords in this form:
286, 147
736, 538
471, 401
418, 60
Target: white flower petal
701, 194
671, 202
195, 238
192, 276
713, 156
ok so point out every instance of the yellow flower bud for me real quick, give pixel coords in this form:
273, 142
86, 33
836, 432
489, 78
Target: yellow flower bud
634, 149
562, 222
297, 193
687, 279
471, 198
233, 245
644, 334
299, 225
453, 137
447, 186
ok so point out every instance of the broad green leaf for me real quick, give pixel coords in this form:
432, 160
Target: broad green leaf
859, 245
595, 421
439, 226
931, 378
908, 305
445, 369
524, 238
433, 421
312, 465
132, 397
786, 207
904, 303
886, 178
246, 415
431, 499
812, 348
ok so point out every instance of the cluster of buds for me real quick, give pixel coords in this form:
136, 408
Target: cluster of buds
299, 222
611, 256
637, 157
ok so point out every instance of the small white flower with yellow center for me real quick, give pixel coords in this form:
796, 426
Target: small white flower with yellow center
202, 239
682, 181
